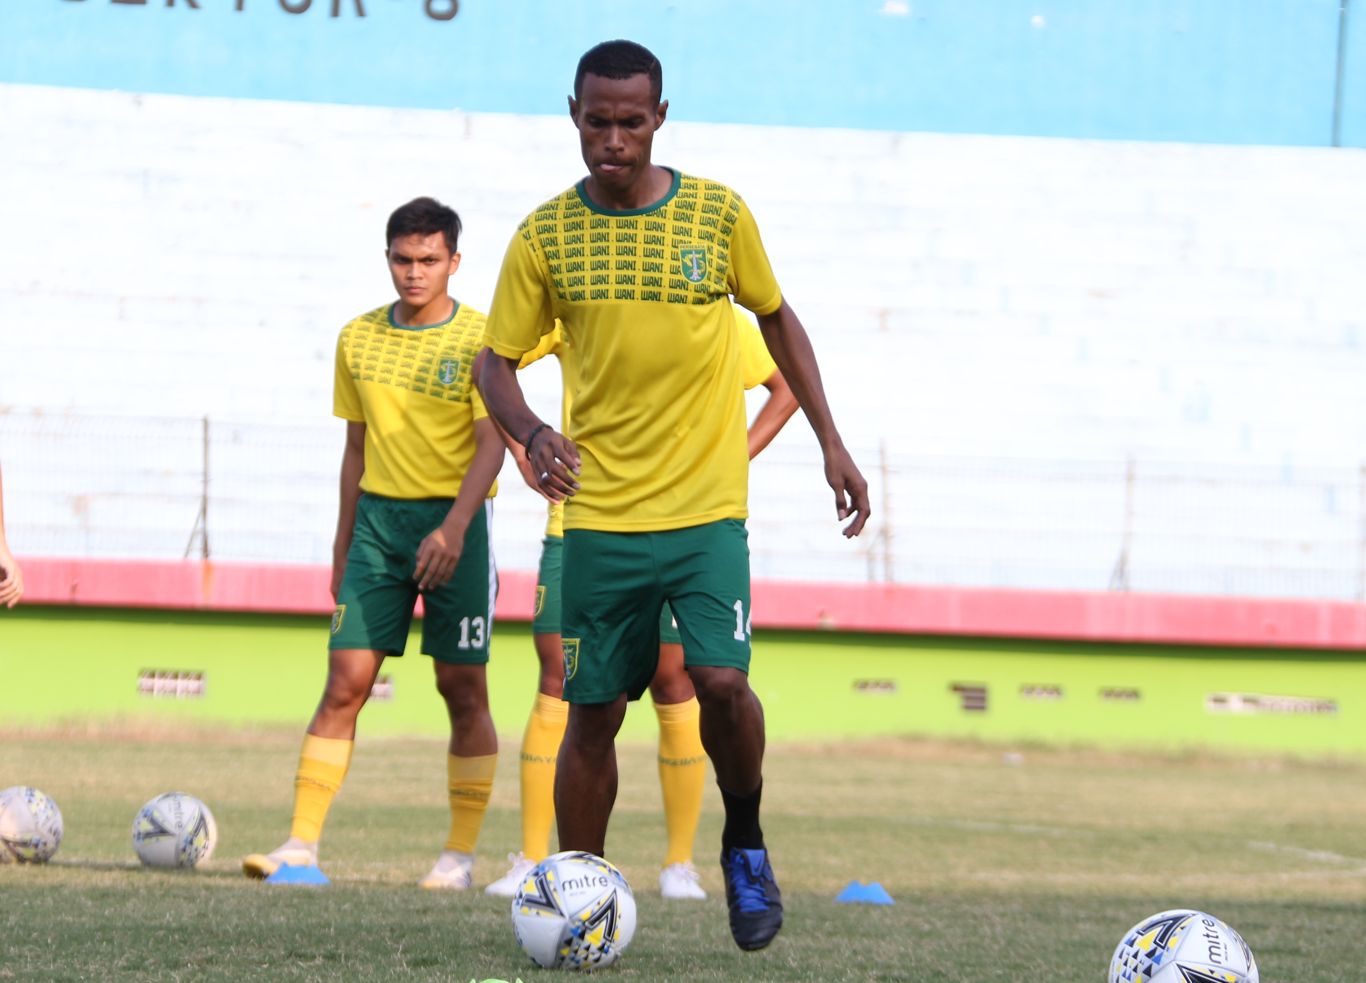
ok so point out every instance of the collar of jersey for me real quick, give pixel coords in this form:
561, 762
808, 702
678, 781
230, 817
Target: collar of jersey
588, 202
455, 309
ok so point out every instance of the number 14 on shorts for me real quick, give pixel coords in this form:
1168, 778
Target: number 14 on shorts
744, 623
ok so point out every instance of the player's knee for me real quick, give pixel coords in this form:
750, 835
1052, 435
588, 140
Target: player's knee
671, 689
719, 685
464, 693
343, 696
596, 724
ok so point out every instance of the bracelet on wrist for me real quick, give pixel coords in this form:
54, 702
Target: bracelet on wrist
526, 444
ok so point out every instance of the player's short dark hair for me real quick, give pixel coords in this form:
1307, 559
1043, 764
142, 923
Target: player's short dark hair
620, 60
423, 216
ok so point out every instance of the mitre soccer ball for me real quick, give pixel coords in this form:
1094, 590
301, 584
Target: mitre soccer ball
1182, 946
574, 911
174, 830
30, 826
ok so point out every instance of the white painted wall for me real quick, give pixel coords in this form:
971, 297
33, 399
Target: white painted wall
1002, 323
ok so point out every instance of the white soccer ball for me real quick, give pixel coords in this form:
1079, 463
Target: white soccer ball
1182, 946
30, 826
174, 830
574, 911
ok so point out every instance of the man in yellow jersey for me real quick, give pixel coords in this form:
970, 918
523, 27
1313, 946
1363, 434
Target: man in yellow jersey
416, 478
639, 262
682, 765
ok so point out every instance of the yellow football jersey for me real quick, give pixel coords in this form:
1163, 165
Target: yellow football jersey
643, 297
412, 388
756, 364
756, 368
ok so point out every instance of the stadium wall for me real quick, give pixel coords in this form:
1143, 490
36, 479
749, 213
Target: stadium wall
1055, 359
177, 644
871, 608
155, 671
1174, 329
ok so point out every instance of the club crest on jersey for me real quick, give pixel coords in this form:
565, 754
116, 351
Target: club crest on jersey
692, 262
448, 370
570, 648
337, 617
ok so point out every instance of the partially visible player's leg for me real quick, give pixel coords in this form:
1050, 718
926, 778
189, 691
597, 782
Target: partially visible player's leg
586, 778
536, 767
544, 727
682, 763
472, 759
456, 633
324, 758
733, 733
371, 620
611, 601
732, 729
541, 748
710, 597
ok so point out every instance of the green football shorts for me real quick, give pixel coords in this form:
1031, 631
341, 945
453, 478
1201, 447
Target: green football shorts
613, 590
545, 618
378, 593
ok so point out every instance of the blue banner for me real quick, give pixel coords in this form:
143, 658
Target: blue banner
1260, 71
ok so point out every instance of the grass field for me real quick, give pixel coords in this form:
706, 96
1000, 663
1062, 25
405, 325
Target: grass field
1007, 864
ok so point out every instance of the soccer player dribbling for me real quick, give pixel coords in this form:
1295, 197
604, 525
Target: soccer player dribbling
639, 263
682, 759
417, 474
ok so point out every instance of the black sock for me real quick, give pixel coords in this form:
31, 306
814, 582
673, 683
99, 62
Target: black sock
742, 820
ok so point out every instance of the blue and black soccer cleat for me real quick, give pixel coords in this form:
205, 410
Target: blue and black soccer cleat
756, 905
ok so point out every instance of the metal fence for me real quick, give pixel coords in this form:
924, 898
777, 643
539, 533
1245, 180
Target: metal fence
260, 491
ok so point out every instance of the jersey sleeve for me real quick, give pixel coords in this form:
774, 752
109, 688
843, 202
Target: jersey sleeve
345, 396
477, 407
756, 364
750, 278
548, 345
522, 310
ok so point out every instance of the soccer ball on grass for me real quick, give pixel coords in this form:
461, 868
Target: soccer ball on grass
1182, 946
574, 911
174, 830
30, 826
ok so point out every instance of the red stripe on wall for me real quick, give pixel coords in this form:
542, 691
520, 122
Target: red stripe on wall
976, 611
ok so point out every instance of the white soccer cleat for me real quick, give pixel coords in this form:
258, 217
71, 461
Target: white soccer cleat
454, 871
296, 853
507, 885
681, 882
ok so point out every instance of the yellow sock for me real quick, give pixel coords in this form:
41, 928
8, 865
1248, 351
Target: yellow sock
540, 748
323, 762
470, 781
682, 775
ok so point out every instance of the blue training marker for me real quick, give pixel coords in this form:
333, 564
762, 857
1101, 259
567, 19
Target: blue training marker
309, 874
859, 893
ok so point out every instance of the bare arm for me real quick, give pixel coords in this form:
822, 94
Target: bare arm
520, 459
439, 552
11, 577
790, 347
352, 468
554, 459
775, 412
517, 451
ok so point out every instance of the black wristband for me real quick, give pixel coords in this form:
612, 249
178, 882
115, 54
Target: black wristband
526, 444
